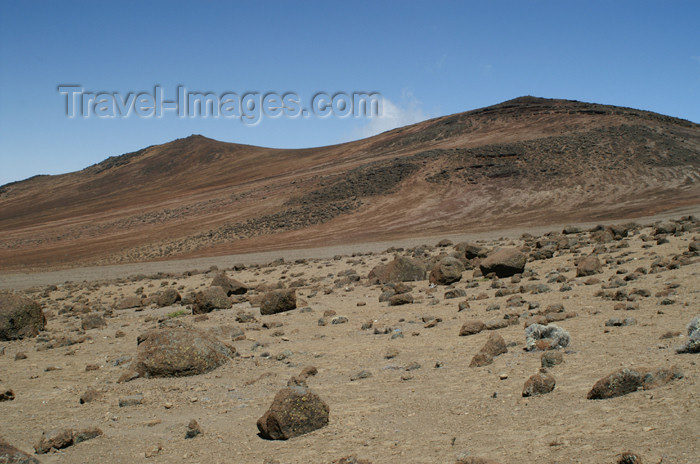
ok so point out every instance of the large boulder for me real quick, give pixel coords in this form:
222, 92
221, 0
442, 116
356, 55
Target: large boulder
626, 380
469, 250
495, 345
588, 266
278, 301
230, 286
401, 269
11, 455
294, 411
209, 299
175, 352
167, 297
505, 262
446, 271
93, 321
20, 317
128, 302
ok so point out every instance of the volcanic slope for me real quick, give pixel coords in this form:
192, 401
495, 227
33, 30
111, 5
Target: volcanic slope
528, 161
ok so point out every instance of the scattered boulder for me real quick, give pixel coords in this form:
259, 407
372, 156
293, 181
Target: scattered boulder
471, 327
174, 352
545, 337
230, 286
209, 299
20, 317
470, 250
693, 343
57, 439
551, 358
539, 384
505, 262
294, 411
11, 455
400, 299
93, 321
446, 271
627, 380
588, 266
495, 345
128, 302
278, 301
7, 395
167, 297
401, 269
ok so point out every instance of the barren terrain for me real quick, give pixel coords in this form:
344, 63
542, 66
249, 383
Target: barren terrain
419, 400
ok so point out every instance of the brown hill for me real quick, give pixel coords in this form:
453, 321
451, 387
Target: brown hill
528, 161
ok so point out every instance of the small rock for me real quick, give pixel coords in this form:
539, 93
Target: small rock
193, 429
364, 374
7, 395
629, 457
131, 400
90, 395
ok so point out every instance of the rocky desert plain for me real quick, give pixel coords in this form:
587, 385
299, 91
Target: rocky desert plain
400, 304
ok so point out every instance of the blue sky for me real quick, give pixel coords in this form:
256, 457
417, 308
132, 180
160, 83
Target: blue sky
426, 59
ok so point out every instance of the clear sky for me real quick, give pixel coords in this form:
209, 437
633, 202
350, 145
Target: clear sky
426, 59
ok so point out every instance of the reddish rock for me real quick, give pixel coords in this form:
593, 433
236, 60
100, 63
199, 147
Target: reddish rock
230, 286
400, 299
495, 345
278, 301
539, 384
295, 411
401, 269
446, 271
626, 381
471, 328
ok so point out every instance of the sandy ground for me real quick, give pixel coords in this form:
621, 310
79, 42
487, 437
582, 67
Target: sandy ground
426, 415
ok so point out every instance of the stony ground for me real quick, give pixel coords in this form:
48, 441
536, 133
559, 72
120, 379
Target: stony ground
418, 400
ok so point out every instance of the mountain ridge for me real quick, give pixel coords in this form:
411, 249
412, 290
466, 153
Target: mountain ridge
522, 161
